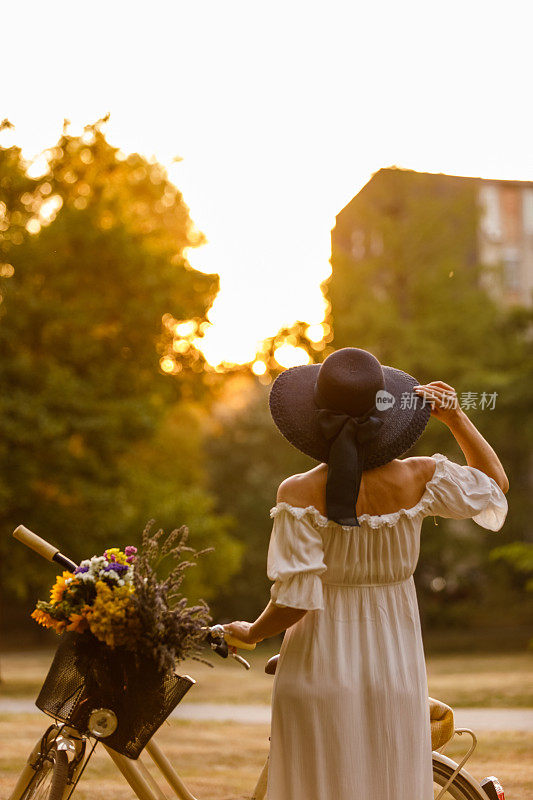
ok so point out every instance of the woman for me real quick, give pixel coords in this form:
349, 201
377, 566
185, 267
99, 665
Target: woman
350, 715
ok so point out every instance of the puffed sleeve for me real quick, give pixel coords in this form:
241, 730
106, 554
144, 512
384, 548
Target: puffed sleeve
462, 492
295, 559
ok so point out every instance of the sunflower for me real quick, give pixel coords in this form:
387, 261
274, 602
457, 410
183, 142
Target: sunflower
42, 618
79, 622
58, 589
58, 625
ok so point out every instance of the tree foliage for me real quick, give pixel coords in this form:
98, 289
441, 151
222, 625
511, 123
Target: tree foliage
94, 281
247, 460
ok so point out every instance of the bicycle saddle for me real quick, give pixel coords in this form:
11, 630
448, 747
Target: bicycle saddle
442, 723
440, 715
271, 665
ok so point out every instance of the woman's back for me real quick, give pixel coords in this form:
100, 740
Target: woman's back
399, 484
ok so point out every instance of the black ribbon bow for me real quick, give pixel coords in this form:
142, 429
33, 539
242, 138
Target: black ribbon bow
345, 463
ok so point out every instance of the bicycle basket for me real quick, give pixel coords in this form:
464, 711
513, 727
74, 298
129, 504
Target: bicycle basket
87, 674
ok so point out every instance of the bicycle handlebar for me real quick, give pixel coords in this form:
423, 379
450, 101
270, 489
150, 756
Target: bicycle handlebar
42, 547
219, 639
231, 641
224, 644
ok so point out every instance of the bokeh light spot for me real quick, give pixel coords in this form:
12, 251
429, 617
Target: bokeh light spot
289, 356
86, 156
33, 226
167, 364
185, 328
50, 207
315, 333
181, 346
259, 368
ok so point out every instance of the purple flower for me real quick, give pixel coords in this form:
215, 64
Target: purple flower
116, 567
81, 569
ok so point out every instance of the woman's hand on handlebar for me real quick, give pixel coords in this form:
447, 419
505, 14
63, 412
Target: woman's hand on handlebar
242, 631
272, 621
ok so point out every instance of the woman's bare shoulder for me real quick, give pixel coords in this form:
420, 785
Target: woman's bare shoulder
421, 467
400, 483
301, 489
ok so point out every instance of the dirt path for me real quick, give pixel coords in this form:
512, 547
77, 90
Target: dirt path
479, 719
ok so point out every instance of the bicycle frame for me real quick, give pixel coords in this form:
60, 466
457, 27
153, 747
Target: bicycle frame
145, 787
141, 780
135, 771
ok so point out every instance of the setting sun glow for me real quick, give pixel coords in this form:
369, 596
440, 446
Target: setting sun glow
270, 118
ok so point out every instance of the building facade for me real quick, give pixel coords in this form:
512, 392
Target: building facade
502, 236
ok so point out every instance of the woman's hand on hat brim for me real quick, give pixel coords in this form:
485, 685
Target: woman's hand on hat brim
443, 400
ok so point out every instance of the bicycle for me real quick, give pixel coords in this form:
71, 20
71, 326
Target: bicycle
56, 763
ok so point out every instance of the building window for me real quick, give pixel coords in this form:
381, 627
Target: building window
358, 244
491, 224
527, 211
376, 243
511, 268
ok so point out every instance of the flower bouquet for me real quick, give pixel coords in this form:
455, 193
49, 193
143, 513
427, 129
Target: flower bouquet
123, 630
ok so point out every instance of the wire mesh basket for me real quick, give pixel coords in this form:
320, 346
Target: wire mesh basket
86, 675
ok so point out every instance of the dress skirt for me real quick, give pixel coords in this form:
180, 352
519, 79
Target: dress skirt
350, 710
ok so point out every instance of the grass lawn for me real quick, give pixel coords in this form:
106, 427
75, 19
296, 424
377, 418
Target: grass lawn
481, 680
223, 760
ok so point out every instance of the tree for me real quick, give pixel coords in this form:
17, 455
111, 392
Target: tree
247, 459
94, 284
519, 557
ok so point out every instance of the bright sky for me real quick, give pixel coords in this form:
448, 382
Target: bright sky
281, 111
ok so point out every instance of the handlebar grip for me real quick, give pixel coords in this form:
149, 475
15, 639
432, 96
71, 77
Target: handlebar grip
233, 642
34, 542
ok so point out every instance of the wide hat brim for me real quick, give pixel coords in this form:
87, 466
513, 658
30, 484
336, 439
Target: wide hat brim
294, 411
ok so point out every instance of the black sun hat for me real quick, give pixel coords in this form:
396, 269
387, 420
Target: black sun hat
353, 414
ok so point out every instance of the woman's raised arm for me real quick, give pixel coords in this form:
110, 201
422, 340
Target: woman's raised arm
477, 451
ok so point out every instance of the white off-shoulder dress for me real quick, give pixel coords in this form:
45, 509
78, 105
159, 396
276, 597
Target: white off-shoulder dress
350, 714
